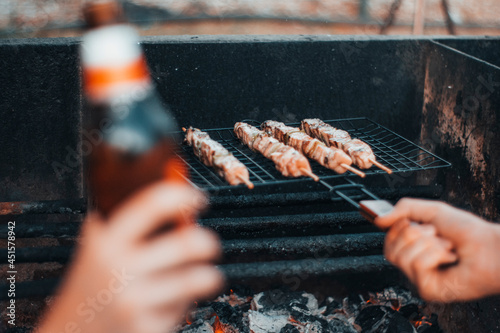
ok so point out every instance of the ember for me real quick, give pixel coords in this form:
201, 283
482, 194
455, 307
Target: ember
218, 327
282, 311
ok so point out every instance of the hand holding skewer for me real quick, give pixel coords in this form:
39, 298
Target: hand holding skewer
448, 253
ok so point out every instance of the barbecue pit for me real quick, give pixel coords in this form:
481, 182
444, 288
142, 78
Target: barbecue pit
438, 102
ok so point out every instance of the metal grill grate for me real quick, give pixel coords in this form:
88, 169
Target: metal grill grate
391, 149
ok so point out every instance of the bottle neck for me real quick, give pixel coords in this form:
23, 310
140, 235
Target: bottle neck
113, 63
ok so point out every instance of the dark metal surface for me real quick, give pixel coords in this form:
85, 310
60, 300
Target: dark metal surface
460, 121
29, 289
486, 49
212, 81
391, 149
284, 248
249, 250
286, 270
41, 254
40, 121
43, 207
316, 194
250, 216
329, 266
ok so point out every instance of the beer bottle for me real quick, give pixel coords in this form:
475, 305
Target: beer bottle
133, 132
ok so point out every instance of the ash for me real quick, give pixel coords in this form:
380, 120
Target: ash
280, 311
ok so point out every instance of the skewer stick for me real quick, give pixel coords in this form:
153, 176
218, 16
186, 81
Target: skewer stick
248, 183
309, 174
354, 170
381, 166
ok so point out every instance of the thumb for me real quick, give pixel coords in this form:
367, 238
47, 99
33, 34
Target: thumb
450, 223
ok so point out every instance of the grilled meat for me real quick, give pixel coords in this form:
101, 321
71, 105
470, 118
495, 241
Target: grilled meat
287, 160
330, 157
359, 151
213, 154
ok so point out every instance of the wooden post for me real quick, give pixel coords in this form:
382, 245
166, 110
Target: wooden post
419, 17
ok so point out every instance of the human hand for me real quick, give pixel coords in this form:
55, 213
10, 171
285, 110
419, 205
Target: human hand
449, 254
130, 274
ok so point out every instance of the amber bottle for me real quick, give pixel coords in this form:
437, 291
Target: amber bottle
129, 130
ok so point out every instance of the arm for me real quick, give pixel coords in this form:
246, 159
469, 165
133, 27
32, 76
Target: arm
127, 278
449, 254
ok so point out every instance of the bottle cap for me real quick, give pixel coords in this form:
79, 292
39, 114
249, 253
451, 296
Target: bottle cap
103, 12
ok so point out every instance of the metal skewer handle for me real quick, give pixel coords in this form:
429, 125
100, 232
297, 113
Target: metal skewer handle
371, 209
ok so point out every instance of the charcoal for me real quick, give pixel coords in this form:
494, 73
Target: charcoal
395, 304
399, 294
323, 324
316, 327
199, 326
226, 328
233, 300
262, 323
431, 329
226, 312
399, 324
244, 307
301, 316
433, 319
280, 300
427, 328
371, 317
228, 315
282, 311
299, 307
242, 290
312, 302
332, 307
352, 304
338, 326
305, 317
289, 328
410, 311
273, 298
431, 325
203, 313
326, 301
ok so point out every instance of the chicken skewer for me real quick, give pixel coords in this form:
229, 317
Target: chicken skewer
329, 157
287, 160
360, 152
213, 154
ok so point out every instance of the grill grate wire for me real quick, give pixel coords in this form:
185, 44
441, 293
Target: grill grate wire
390, 148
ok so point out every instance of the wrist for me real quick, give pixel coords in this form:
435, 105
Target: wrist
65, 313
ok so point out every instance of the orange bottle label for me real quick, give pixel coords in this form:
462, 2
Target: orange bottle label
96, 80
